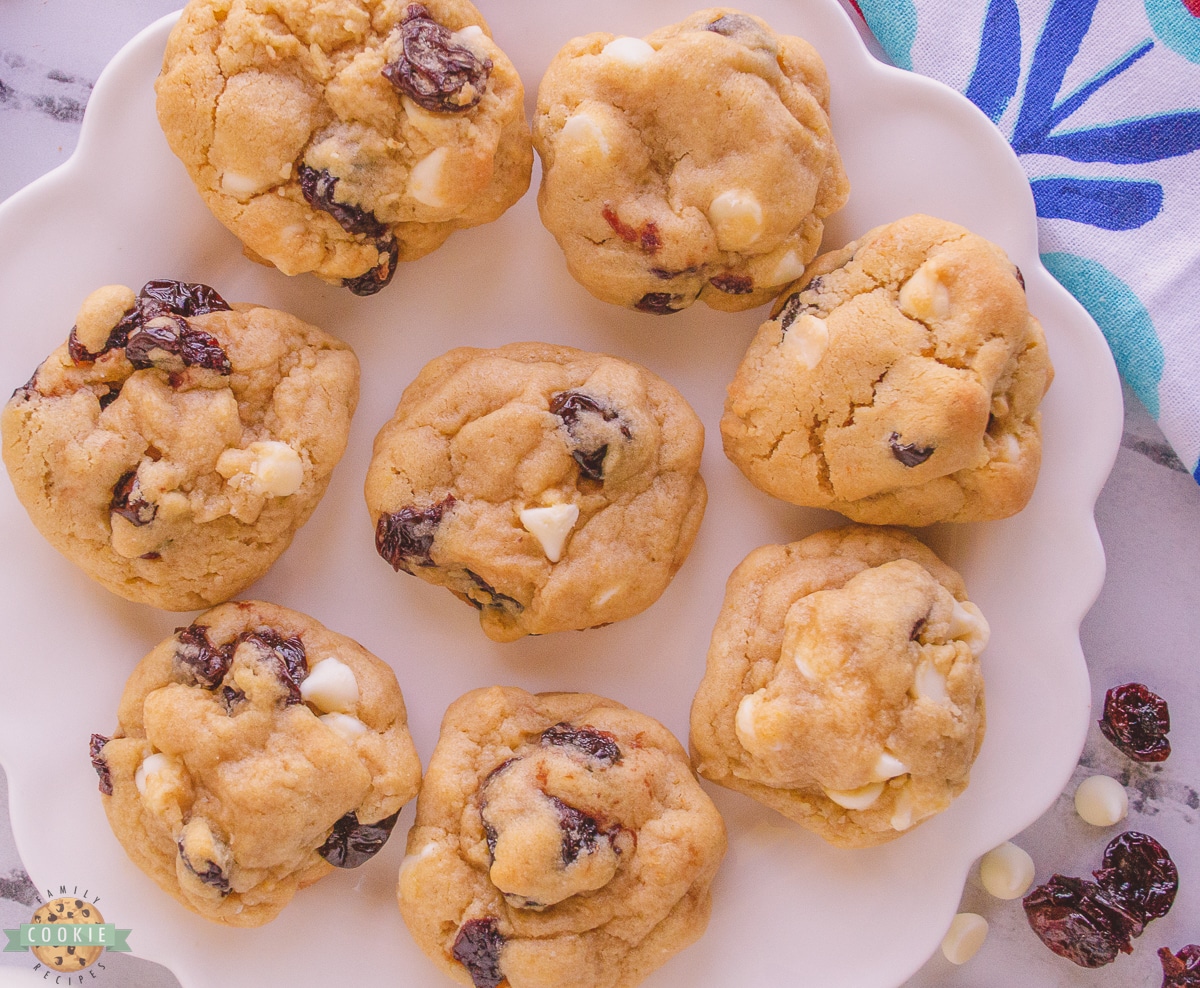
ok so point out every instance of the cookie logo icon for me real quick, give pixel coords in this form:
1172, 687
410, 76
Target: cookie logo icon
67, 955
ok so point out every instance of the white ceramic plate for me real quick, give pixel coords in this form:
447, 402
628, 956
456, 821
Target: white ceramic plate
788, 909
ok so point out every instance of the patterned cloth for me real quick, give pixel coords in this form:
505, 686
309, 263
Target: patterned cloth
1100, 99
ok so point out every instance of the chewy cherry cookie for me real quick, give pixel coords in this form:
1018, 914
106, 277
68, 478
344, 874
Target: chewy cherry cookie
175, 443
345, 136
255, 751
561, 839
552, 488
897, 382
698, 163
843, 686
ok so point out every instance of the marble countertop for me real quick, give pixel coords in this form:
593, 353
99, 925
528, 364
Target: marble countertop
1144, 627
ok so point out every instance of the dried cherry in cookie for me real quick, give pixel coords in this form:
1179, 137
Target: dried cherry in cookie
255, 751
434, 70
477, 947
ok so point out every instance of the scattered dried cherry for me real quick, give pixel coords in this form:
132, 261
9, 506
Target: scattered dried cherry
495, 597
434, 70
95, 752
733, 284
660, 303
318, 187
379, 276
1079, 920
351, 843
910, 454
600, 745
645, 236
1181, 970
171, 334
731, 25
1137, 721
1140, 875
477, 948
581, 833
211, 875
204, 663
570, 406
181, 297
231, 698
793, 308
404, 538
127, 501
287, 655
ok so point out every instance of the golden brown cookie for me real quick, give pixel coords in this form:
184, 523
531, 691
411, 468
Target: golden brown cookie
174, 444
561, 839
255, 751
551, 488
843, 686
343, 137
897, 382
698, 163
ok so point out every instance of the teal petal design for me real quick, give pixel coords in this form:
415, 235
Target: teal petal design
894, 24
1121, 317
1176, 25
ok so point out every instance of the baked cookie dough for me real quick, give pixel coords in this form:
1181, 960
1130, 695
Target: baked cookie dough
843, 686
175, 443
343, 137
255, 751
561, 839
551, 488
897, 382
698, 163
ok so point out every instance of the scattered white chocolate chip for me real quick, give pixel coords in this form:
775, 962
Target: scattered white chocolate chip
100, 313
789, 268
604, 596
964, 938
1008, 449
240, 186
902, 810
631, 51
551, 526
968, 624
736, 218
425, 179
925, 296
277, 467
743, 723
582, 129
806, 340
1101, 801
1006, 871
472, 32
928, 683
856, 799
151, 765
330, 686
343, 724
888, 766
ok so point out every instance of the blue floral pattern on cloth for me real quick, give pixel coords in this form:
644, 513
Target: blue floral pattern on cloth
1100, 100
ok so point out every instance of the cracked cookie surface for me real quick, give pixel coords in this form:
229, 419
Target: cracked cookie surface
843, 684
255, 751
343, 137
560, 839
552, 488
897, 382
173, 446
698, 163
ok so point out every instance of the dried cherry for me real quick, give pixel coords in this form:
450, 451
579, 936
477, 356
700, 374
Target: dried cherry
477, 948
95, 751
733, 284
910, 454
1181, 970
127, 501
1139, 873
597, 744
210, 875
1137, 721
204, 663
404, 538
318, 187
660, 303
1079, 920
379, 276
351, 843
435, 71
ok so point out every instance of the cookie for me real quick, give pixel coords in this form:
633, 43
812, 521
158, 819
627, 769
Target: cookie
343, 137
255, 751
173, 445
551, 488
897, 382
843, 684
68, 957
696, 164
560, 839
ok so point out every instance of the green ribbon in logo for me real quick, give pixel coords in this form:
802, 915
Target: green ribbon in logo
104, 935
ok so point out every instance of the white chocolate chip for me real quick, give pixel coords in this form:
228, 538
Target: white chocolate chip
925, 296
330, 686
412, 859
888, 766
806, 340
285, 170
472, 32
856, 799
631, 51
100, 313
425, 179
344, 725
604, 596
743, 723
902, 810
151, 765
1101, 801
583, 130
789, 268
929, 684
964, 938
1006, 871
736, 218
551, 526
240, 186
1008, 449
277, 467
968, 624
